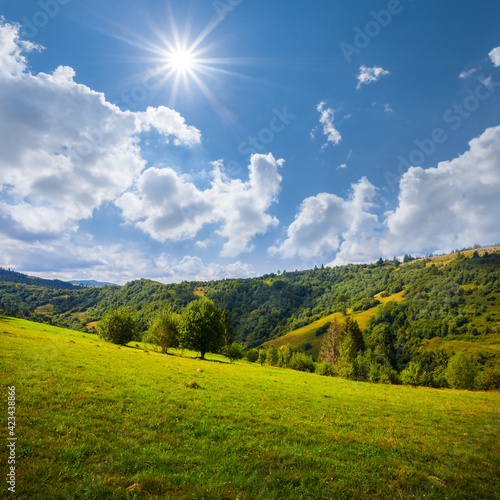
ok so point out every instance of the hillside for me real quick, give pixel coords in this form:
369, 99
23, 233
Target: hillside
453, 298
309, 337
10, 276
94, 420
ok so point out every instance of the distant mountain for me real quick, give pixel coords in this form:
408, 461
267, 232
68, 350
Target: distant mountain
14, 277
92, 283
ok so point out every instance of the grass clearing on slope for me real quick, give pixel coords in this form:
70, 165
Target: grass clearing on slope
93, 419
307, 334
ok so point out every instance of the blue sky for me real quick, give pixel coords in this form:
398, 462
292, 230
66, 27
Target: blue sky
232, 138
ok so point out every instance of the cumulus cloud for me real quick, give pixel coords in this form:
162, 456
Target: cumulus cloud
168, 206
326, 120
495, 56
171, 124
370, 75
453, 205
326, 221
65, 149
117, 263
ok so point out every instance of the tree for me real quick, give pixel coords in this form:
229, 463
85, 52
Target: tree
285, 353
201, 328
272, 356
164, 330
412, 374
341, 303
262, 356
234, 351
252, 355
461, 371
352, 346
330, 347
353, 332
228, 328
117, 326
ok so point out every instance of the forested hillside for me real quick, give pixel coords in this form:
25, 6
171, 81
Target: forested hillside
452, 296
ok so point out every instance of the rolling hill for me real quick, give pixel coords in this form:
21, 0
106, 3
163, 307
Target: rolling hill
94, 420
422, 305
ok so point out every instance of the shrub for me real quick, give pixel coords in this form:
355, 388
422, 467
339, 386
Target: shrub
234, 351
412, 374
252, 355
164, 330
302, 362
117, 326
461, 371
306, 346
489, 379
324, 369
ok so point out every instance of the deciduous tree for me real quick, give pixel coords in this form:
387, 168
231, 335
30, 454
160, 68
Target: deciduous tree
201, 327
117, 326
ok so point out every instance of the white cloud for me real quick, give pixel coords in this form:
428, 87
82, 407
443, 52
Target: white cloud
168, 206
495, 56
325, 220
65, 149
117, 263
326, 119
466, 74
370, 75
12, 60
194, 269
171, 124
453, 205
388, 109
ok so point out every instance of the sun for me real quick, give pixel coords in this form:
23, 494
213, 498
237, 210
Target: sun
181, 61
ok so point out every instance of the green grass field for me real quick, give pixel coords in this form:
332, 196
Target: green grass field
96, 421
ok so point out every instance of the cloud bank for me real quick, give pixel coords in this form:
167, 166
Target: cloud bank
449, 206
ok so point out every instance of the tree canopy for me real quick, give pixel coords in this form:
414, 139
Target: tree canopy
201, 327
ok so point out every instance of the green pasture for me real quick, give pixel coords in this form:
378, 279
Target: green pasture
98, 421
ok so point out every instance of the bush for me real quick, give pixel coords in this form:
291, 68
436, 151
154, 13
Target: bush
412, 374
234, 351
461, 371
302, 362
164, 330
324, 369
117, 326
306, 346
489, 379
322, 329
252, 355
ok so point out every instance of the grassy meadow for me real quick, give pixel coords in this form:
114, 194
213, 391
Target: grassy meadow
98, 421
